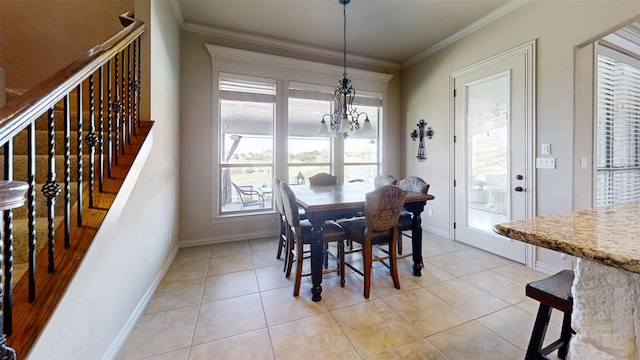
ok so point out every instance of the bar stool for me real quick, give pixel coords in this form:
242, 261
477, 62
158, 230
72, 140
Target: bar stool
553, 292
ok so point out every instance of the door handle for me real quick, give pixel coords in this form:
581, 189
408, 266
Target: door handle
519, 189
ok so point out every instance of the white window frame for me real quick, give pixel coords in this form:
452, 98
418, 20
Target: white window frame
630, 191
283, 69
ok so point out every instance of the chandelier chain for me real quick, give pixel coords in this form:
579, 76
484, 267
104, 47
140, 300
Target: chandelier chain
344, 117
344, 13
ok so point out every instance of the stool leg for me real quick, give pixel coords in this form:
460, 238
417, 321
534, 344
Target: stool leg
538, 333
565, 335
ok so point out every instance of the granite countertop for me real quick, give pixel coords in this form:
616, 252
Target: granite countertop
609, 235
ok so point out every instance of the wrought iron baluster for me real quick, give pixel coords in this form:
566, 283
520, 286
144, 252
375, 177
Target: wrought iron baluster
67, 172
138, 85
109, 121
5, 351
123, 105
79, 152
101, 128
129, 91
91, 139
31, 207
51, 189
7, 247
116, 108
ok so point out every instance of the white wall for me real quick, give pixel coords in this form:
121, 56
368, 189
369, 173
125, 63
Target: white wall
558, 27
198, 132
128, 256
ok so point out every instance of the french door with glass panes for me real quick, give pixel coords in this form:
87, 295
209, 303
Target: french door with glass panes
493, 145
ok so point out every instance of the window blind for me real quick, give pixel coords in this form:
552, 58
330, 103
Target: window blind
617, 127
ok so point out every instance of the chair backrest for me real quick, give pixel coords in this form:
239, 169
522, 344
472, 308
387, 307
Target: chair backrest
323, 179
384, 179
277, 195
290, 205
414, 184
239, 190
383, 206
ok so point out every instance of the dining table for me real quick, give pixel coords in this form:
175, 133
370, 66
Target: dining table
322, 203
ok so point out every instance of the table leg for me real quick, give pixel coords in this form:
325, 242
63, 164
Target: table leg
416, 235
317, 258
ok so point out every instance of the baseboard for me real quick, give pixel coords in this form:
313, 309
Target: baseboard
128, 326
436, 231
227, 238
546, 268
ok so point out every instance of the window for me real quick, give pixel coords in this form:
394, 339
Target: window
310, 153
361, 149
268, 111
617, 127
247, 114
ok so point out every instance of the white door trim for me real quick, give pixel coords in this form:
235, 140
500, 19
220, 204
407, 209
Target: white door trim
529, 51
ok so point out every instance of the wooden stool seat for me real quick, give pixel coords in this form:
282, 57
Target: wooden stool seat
553, 292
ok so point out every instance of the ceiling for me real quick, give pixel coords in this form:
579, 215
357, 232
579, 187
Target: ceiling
396, 32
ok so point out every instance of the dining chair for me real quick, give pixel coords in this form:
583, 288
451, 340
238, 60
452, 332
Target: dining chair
413, 184
282, 241
300, 231
246, 195
384, 179
323, 179
378, 227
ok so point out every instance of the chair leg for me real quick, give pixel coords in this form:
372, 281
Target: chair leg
393, 265
326, 255
280, 245
367, 259
341, 266
538, 333
299, 261
399, 243
565, 335
281, 242
290, 254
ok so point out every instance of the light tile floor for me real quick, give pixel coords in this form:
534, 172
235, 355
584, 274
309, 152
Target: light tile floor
232, 301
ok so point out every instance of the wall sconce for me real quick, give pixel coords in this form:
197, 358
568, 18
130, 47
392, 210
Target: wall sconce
421, 133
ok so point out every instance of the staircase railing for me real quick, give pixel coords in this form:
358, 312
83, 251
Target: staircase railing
96, 101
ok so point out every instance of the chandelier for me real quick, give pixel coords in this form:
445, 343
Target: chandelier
344, 118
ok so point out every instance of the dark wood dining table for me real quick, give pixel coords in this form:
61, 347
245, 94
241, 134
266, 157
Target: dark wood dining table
322, 203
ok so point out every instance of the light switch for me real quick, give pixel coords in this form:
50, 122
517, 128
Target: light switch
545, 149
545, 163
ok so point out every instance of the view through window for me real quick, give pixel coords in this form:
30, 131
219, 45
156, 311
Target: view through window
249, 109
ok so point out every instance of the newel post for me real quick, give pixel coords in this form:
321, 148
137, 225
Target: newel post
12, 195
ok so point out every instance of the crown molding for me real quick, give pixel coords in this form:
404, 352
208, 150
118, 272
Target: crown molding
286, 45
487, 19
290, 65
315, 51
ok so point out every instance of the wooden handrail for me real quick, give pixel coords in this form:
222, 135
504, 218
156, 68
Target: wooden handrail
20, 112
114, 134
